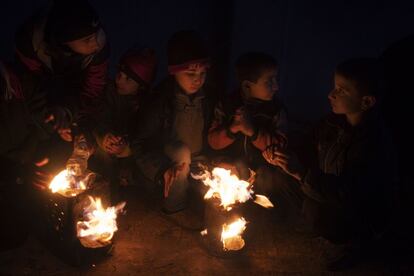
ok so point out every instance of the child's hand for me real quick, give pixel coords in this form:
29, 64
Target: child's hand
246, 126
235, 127
287, 161
111, 144
65, 134
236, 122
170, 176
41, 178
269, 155
58, 117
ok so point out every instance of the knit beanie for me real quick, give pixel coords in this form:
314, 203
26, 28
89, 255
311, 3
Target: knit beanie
186, 48
70, 20
140, 65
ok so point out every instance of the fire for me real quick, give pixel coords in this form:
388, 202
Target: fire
230, 190
263, 201
67, 184
99, 225
231, 235
225, 186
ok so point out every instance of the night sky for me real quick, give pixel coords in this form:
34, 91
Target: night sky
307, 37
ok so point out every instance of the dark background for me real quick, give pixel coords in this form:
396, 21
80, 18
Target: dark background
308, 37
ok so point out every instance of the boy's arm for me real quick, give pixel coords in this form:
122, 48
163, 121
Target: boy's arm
219, 134
95, 80
276, 135
367, 176
103, 119
151, 160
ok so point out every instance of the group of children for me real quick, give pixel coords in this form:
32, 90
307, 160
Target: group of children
156, 136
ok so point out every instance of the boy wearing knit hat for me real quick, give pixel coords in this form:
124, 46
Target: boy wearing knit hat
171, 131
66, 53
122, 98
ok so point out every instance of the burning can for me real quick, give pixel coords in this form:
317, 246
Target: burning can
58, 215
223, 235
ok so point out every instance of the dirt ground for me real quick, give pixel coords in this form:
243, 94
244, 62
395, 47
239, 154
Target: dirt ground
151, 243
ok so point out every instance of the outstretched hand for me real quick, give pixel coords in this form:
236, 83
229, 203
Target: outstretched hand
170, 176
287, 161
113, 144
41, 178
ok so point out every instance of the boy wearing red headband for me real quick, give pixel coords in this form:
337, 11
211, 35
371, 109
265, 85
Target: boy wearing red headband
172, 130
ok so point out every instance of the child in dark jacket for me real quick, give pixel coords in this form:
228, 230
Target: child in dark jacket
346, 197
172, 129
121, 100
251, 119
67, 54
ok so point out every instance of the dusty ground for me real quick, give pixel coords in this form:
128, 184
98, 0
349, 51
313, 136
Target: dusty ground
151, 243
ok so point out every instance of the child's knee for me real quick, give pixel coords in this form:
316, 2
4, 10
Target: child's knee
179, 153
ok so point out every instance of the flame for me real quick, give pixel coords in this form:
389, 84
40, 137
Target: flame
225, 186
99, 225
263, 201
231, 235
67, 184
204, 232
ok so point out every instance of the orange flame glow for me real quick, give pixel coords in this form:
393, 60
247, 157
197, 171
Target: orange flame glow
99, 225
65, 183
231, 235
225, 186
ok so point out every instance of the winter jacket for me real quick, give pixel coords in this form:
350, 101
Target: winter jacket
117, 114
155, 127
356, 169
69, 79
269, 121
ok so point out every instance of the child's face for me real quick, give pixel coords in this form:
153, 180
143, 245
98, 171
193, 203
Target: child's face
345, 98
191, 79
86, 45
264, 88
125, 85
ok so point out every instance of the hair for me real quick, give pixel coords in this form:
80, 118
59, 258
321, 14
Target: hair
366, 73
250, 66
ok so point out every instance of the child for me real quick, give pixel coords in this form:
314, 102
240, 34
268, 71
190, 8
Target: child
67, 53
171, 130
122, 99
346, 198
251, 119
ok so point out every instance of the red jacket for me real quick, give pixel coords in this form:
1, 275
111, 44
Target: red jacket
48, 61
268, 119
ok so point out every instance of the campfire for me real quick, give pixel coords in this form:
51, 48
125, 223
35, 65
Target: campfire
231, 235
96, 225
227, 187
68, 184
76, 218
99, 225
230, 191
